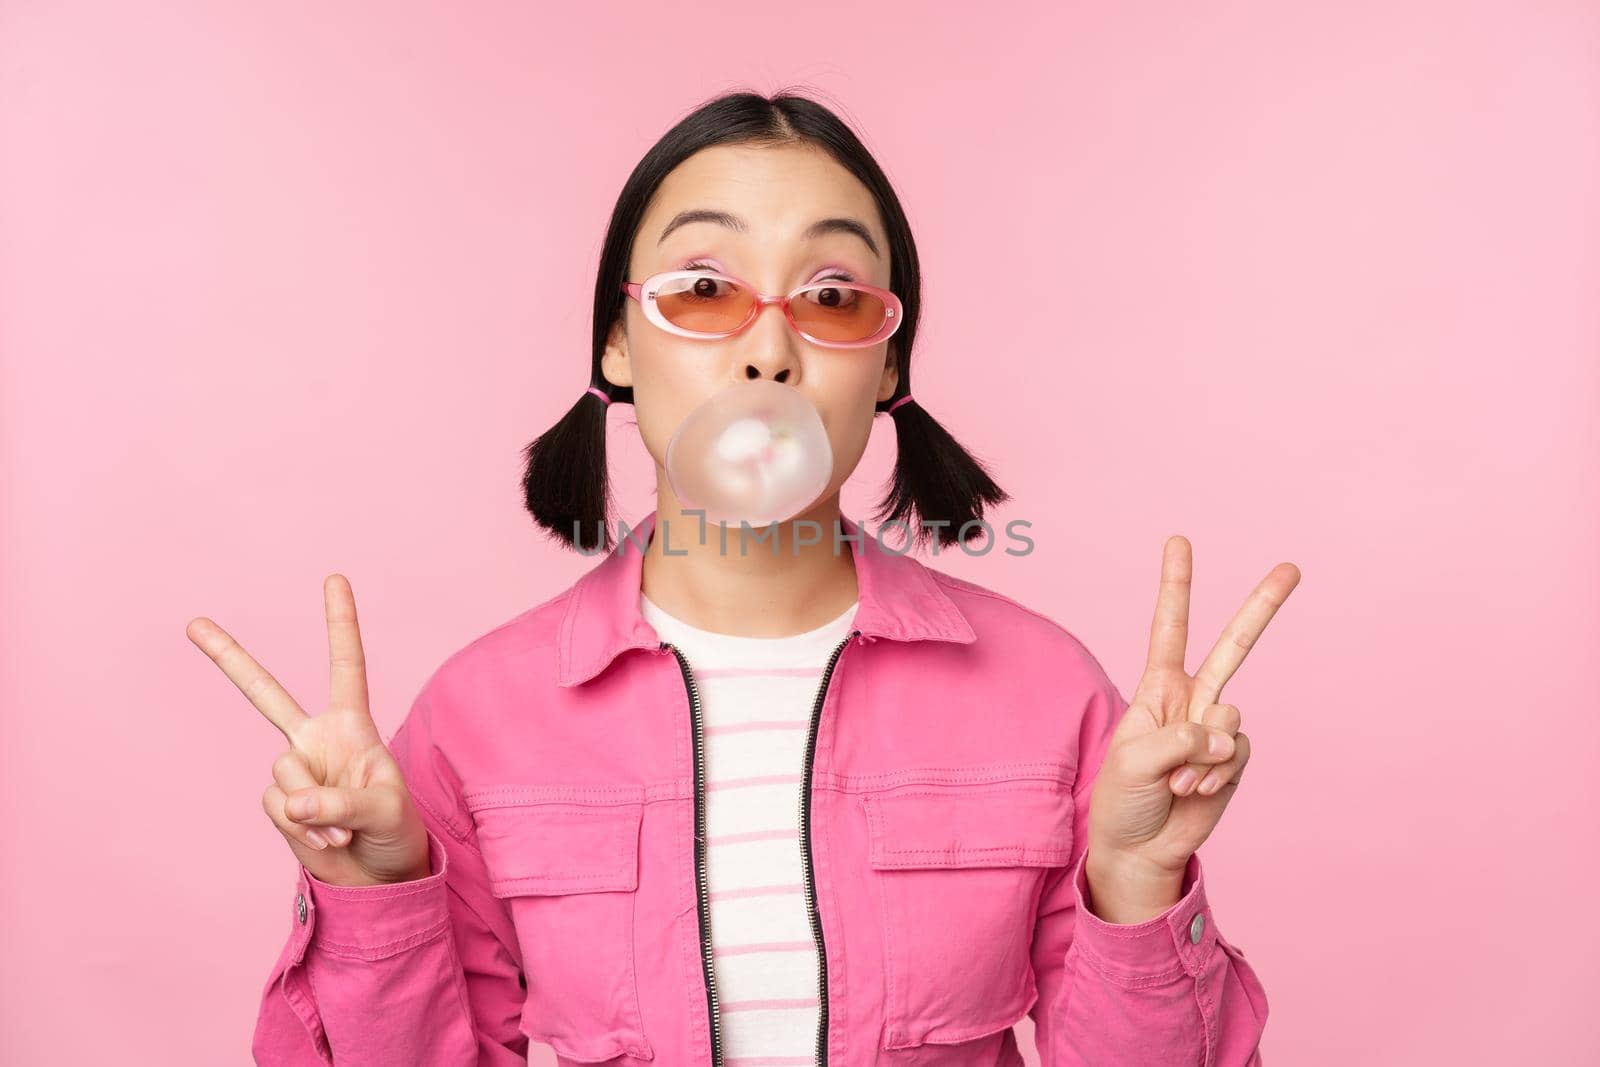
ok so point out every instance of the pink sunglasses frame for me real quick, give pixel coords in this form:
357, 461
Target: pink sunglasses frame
645, 293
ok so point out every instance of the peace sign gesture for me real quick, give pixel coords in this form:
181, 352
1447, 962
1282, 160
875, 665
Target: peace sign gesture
337, 796
1176, 756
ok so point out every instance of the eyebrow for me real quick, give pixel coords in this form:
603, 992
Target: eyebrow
819, 228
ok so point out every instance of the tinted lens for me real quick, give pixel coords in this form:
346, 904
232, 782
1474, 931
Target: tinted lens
838, 313
709, 305
704, 305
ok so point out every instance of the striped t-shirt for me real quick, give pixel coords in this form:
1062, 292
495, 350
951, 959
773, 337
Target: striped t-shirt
756, 696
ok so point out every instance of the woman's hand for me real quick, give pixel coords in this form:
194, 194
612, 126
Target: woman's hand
358, 825
1163, 787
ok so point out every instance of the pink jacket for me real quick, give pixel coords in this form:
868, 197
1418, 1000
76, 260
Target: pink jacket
556, 763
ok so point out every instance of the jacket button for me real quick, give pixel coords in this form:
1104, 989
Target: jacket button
1197, 926
300, 907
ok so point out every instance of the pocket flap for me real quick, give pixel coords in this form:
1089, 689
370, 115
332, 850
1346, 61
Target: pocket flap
557, 845
1022, 823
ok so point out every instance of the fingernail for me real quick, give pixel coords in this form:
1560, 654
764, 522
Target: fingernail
1218, 744
1184, 780
300, 807
1211, 783
336, 835
316, 840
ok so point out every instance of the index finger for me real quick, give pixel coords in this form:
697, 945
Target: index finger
253, 680
347, 662
1241, 634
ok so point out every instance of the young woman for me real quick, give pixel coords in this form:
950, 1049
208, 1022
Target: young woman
798, 800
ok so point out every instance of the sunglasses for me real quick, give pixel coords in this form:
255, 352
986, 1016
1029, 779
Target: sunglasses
709, 306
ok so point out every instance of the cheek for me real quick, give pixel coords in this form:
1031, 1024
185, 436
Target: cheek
669, 381
847, 404
849, 441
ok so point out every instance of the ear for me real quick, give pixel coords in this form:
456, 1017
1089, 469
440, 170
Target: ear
891, 373
614, 362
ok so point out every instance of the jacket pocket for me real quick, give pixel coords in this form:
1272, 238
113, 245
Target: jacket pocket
565, 859
959, 865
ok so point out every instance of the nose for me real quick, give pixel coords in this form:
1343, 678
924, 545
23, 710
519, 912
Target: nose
768, 348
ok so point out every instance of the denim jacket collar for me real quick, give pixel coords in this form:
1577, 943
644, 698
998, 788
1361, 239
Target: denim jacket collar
898, 599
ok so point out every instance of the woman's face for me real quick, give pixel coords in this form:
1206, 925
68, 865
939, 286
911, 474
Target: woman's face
777, 193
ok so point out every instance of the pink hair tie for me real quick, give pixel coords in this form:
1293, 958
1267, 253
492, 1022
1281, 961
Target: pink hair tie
601, 395
897, 403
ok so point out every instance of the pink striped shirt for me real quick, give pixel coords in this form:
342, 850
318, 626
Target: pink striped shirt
756, 697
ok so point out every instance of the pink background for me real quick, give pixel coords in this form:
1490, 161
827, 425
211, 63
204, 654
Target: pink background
285, 288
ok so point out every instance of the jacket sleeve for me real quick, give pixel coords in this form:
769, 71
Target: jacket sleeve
420, 972
1166, 991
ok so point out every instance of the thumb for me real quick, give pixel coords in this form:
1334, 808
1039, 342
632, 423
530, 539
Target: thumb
1151, 756
370, 809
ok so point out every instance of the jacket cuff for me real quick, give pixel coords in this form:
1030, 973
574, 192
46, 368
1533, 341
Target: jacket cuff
372, 922
1176, 942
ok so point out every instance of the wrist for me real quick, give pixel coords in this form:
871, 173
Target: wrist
1125, 889
416, 873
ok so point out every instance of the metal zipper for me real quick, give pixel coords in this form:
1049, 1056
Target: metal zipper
809, 881
702, 897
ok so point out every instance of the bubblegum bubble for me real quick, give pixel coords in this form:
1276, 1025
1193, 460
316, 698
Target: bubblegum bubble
755, 452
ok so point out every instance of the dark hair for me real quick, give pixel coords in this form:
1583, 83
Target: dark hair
935, 480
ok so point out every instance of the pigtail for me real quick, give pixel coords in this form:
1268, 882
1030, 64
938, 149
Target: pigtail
566, 484
935, 480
